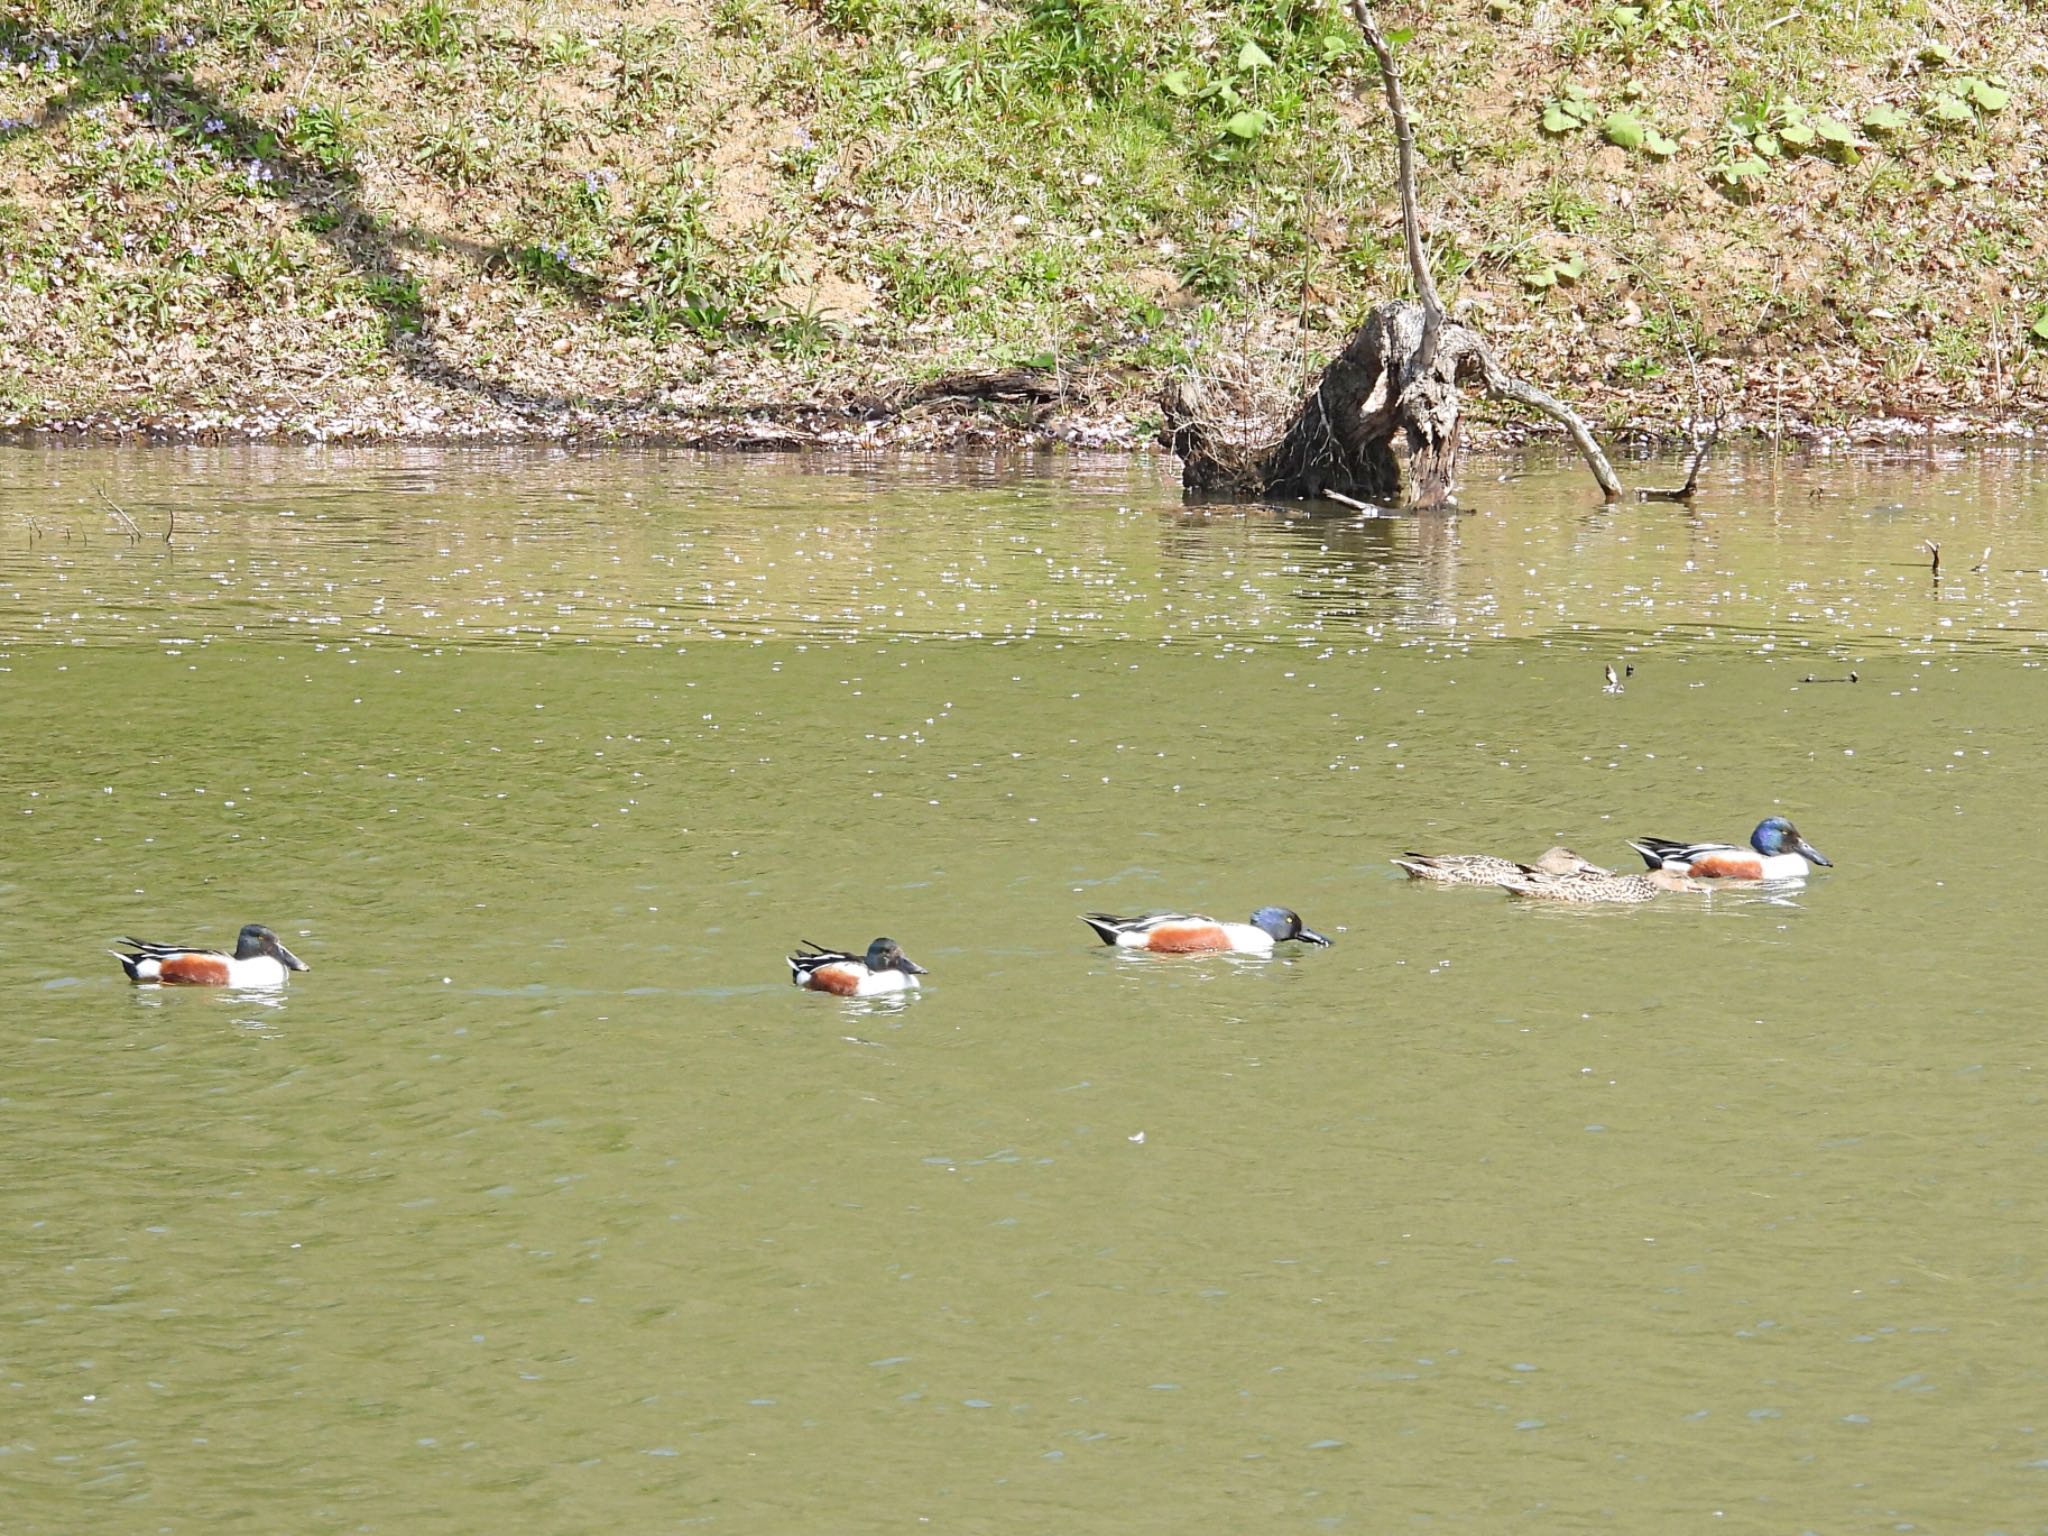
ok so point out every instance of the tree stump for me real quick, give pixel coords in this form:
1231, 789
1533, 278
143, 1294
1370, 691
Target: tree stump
1382, 423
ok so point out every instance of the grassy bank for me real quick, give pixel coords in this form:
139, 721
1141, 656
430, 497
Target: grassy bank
438, 218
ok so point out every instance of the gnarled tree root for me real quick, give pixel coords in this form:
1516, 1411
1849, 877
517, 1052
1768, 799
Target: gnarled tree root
1381, 424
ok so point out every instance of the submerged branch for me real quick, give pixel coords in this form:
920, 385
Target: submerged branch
1692, 475
1363, 508
134, 528
1506, 386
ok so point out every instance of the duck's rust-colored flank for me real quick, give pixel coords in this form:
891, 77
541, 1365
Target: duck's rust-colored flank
194, 970
1188, 939
839, 980
1728, 866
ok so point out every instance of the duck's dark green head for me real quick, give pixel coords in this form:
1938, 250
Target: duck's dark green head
887, 955
255, 939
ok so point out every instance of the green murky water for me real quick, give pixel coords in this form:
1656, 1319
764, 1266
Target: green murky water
543, 1203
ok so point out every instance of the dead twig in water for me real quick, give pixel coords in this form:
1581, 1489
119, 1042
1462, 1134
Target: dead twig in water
1363, 508
1933, 549
171, 526
134, 530
1692, 475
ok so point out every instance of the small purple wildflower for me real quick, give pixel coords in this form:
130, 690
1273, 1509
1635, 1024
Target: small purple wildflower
216, 125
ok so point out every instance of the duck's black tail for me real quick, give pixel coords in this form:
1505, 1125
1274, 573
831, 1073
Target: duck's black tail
1105, 926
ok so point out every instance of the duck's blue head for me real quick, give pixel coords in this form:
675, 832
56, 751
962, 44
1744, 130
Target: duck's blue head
1285, 924
1775, 835
887, 955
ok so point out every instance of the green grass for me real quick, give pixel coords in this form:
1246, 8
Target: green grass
990, 181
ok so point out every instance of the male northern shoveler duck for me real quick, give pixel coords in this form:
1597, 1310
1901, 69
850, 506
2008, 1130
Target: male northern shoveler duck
259, 960
884, 968
1776, 851
1487, 868
1585, 887
1185, 933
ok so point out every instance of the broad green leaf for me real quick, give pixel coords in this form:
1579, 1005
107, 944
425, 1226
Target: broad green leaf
1943, 180
1658, 145
1798, 135
1885, 119
1936, 53
1624, 129
1252, 56
1736, 173
1950, 109
1542, 277
1833, 131
1399, 35
1988, 96
1626, 16
2039, 328
1571, 271
1767, 145
1176, 82
1038, 360
1247, 125
1557, 120
1335, 45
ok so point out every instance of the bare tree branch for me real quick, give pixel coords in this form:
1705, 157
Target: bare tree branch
1404, 151
1501, 383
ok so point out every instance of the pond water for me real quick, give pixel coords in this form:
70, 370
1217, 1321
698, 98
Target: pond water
544, 1203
